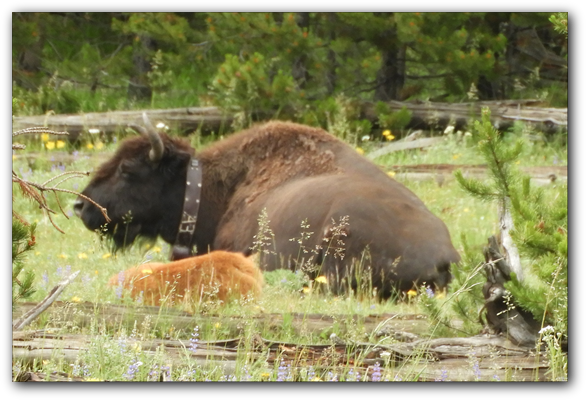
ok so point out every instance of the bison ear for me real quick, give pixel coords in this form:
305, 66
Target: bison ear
179, 159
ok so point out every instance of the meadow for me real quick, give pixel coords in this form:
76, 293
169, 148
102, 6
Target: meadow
113, 353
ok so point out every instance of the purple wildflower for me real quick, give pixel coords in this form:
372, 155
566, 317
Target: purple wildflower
245, 373
45, 277
193, 342
284, 373
476, 369
376, 374
443, 377
429, 292
132, 370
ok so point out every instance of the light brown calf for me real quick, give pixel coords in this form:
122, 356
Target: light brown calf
221, 275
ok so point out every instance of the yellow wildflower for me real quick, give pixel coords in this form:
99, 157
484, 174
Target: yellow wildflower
45, 137
62, 255
217, 325
60, 144
316, 379
456, 156
306, 289
321, 279
13, 157
37, 253
466, 210
412, 293
391, 173
75, 299
99, 145
96, 272
518, 162
147, 271
107, 255
89, 146
440, 295
359, 150
388, 135
81, 256
157, 249
50, 145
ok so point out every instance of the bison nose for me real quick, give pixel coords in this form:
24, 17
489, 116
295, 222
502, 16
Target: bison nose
77, 207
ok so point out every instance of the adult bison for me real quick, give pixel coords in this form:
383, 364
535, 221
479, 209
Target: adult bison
323, 204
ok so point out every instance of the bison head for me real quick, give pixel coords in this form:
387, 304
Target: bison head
141, 187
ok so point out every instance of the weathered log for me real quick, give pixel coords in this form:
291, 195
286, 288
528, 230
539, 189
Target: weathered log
425, 115
502, 314
116, 316
182, 119
34, 312
494, 357
434, 115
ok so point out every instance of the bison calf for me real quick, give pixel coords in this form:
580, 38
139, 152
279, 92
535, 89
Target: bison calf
219, 274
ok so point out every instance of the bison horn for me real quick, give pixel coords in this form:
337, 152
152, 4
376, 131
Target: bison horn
157, 147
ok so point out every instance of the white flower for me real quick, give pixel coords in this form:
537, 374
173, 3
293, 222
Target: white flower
449, 129
93, 131
365, 138
546, 329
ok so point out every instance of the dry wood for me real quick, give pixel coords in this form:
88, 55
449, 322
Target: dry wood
426, 115
506, 226
441, 173
404, 145
188, 118
495, 356
116, 316
502, 314
433, 115
35, 311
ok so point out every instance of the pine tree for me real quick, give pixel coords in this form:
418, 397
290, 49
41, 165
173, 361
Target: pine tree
23, 241
540, 221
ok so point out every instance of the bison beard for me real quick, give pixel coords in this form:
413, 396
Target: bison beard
293, 173
217, 275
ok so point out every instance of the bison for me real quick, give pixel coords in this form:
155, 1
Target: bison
295, 193
219, 275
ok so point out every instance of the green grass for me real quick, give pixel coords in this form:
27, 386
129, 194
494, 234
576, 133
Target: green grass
56, 255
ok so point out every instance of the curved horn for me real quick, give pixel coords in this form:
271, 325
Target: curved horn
157, 147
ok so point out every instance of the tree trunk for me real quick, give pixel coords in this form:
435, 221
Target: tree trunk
139, 87
390, 78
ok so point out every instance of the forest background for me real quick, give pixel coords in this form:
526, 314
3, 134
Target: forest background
293, 65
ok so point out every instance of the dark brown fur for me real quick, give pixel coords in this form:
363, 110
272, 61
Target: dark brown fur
217, 275
295, 172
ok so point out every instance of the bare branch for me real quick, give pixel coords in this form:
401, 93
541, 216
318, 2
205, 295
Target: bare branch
37, 191
44, 304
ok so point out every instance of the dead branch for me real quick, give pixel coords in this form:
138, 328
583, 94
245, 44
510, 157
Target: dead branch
33, 313
36, 191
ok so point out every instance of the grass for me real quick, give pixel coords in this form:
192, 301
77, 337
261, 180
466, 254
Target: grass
111, 355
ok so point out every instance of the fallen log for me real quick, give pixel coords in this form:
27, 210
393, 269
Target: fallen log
435, 115
425, 115
117, 316
492, 358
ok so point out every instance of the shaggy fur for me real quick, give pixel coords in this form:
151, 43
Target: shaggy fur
218, 275
295, 173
